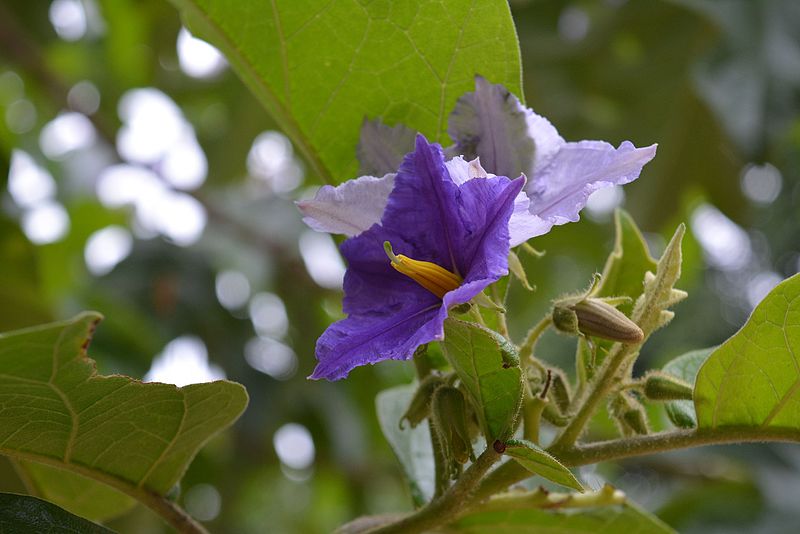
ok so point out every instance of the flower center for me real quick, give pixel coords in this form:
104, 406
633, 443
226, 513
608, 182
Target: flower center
432, 277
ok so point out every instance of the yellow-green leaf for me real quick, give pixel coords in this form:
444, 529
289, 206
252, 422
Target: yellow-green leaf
753, 379
321, 67
540, 462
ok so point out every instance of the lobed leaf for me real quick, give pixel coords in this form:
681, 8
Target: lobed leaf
488, 366
753, 379
321, 67
133, 436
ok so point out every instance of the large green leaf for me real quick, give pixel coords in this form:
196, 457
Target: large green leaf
685, 367
540, 462
22, 513
320, 67
133, 436
753, 379
486, 365
412, 446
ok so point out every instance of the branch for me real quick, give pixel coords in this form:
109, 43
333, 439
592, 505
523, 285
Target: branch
603, 383
167, 509
447, 508
511, 472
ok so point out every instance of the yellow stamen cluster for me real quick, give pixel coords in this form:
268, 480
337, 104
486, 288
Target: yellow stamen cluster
432, 277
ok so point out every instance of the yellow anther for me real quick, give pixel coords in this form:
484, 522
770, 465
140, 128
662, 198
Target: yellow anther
432, 277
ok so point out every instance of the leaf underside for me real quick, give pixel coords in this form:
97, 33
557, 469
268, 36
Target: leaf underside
412, 446
128, 434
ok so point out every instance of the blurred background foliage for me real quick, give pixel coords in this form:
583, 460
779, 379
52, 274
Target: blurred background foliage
139, 178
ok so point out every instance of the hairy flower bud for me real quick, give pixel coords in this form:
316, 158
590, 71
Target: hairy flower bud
662, 386
594, 317
559, 391
449, 417
420, 406
630, 414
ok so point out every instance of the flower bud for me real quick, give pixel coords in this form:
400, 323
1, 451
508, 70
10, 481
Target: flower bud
662, 386
420, 406
449, 417
594, 317
559, 391
630, 414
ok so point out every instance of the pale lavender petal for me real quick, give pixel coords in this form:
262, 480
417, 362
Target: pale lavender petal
381, 148
546, 138
492, 124
349, 208
523, 225
462, 170
559, 191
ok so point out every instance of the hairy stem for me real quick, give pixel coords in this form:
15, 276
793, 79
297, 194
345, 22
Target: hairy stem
502, 324
441, 511
529, 344
441, 478
599, 388
172, 513
511, 472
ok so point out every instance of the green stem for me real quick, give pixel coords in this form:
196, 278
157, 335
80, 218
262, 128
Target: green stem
441, 479
666, 441
603, 383
476, 314
529, 344
502, 324
532, 416
511, 472
447, 508
548, 500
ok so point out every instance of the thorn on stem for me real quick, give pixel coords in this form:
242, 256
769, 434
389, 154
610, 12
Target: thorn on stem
546, 388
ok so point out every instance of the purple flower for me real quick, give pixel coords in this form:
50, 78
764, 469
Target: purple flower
509, 139
447, 241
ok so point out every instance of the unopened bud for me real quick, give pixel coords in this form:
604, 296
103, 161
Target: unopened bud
559, 391
630, 414
594, 317
420, 406
554, 416
662, 386
449, 416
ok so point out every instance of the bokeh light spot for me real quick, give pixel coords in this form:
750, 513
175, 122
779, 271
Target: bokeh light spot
107, 247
